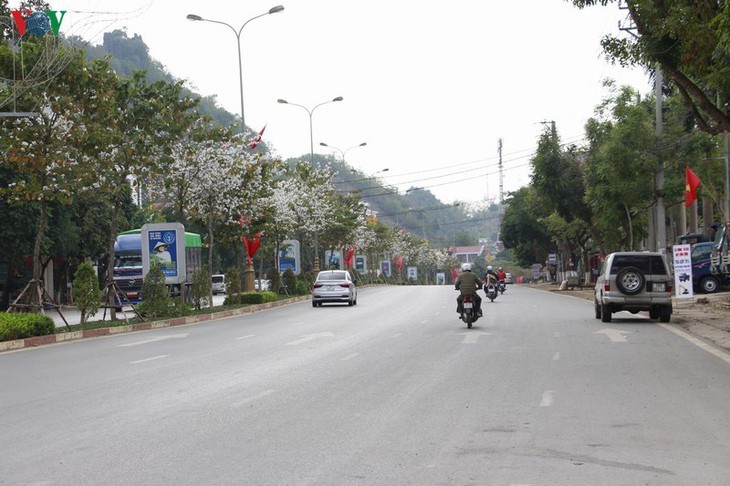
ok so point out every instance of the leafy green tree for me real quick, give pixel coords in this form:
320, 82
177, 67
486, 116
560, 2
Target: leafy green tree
523, 227
130, 127
690, 40
86, 292
619, 170
44, 150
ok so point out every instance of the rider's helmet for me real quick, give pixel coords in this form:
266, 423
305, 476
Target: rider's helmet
466, 267
490, 267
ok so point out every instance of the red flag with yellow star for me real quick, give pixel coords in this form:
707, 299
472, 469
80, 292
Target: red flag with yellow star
690, 190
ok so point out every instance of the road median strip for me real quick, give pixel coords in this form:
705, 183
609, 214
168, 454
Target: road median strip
61, 337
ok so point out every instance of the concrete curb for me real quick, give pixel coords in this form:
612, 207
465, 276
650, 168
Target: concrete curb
33, 342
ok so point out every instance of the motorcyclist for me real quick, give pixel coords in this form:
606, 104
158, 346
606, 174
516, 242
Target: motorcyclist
502, 277
467, 283
491, 276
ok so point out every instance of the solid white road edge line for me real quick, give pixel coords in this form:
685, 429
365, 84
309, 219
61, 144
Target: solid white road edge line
697, 342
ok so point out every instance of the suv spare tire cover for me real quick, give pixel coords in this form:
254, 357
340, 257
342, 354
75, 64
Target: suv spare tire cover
630, 280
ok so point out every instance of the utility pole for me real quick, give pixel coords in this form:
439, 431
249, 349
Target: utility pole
501, 173
661, 227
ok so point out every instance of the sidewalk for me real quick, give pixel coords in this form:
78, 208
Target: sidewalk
705, 315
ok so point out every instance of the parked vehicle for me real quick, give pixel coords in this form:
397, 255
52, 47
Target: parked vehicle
509, 279
703, 280
218, 284
469, 313
127, 270
634, 281
262, 284
720, 259
334, 286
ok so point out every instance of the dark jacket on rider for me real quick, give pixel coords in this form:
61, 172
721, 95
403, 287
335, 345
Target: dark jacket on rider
468, 283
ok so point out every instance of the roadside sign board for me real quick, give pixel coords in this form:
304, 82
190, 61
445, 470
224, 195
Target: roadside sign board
683, 271
361, 264
165, 244
290, 256
412, 273
385, 267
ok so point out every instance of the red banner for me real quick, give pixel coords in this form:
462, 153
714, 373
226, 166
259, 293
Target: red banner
399, 262
252, 245
348, 255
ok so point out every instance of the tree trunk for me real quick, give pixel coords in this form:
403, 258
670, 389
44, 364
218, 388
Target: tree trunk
35, 295
210, 258
110, 263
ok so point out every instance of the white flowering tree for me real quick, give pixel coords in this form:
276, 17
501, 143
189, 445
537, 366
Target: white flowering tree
130, 125
45, 152
216, 195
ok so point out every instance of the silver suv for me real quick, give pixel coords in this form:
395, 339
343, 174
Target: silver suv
634, 281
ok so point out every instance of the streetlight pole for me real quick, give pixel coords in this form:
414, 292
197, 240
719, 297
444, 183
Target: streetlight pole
310, 112
237, 33
342, 152
311, 149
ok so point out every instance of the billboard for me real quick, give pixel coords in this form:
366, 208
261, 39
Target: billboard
164, 243
385, 267
290, 256
361, 264
333, 260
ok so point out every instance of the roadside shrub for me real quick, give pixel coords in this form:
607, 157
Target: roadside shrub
302, 287
85, 291
257, 297
200, 288
290, 281
233, 281
22, 325
275, 281
180, 308
155, 298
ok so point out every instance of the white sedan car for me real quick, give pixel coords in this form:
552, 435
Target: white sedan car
334, 286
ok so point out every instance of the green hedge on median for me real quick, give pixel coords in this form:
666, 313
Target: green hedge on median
251, 298
23, 325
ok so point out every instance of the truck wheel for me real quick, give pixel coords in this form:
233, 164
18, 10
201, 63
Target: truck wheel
709, 285
665, 314
654, 313
597, 309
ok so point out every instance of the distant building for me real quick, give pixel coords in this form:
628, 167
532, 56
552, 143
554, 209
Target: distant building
467, 254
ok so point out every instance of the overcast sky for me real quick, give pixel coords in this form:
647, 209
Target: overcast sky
430, 86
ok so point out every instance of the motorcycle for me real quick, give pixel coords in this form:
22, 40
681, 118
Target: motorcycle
468, 311
502, 286
491, 291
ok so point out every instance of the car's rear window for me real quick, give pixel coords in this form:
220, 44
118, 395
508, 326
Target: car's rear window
331, 276
648, 264
217, 278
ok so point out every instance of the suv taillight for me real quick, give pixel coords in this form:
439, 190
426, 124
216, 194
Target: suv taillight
669, 287
607, 286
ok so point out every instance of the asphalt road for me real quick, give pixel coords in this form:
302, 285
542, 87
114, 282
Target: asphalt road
392, 391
